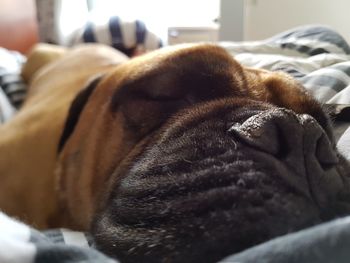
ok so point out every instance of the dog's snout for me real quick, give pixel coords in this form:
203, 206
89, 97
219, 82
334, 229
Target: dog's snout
317, 142
288, 136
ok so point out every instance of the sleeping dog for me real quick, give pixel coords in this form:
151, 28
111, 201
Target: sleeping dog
180, 155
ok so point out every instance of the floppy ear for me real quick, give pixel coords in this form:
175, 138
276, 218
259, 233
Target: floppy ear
289, 93
41, 55
75, 110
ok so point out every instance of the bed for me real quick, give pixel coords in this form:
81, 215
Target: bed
315, 55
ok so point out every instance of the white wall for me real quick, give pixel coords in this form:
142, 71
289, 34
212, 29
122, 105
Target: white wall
264, 18
158, 15
231, 13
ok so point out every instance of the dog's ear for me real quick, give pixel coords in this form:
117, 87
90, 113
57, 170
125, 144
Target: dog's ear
41, 55
180, 79
75, 110
285, 91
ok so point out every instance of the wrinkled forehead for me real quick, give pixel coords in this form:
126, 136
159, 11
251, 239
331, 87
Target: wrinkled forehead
224, 112
164, 82
182, 58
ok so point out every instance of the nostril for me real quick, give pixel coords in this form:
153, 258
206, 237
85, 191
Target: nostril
326, 166
320, 145
325, 153
257, 133
267, 131
286, 135
277, 132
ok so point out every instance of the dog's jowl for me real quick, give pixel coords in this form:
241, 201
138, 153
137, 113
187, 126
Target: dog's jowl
179, 155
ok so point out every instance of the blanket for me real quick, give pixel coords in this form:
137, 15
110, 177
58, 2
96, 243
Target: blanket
325, 243
21, 244
316, 56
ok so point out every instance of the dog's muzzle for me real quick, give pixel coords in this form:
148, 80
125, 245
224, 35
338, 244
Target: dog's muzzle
302, 147
224, 181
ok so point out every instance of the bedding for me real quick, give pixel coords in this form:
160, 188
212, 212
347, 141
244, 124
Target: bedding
21, 244
317, 56
130, 37
6, 108
320, 59
326, 243
12, 88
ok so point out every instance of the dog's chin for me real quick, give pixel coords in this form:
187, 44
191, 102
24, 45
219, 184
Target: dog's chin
217, 187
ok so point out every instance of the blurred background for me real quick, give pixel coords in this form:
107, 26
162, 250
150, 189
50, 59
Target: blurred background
65, 22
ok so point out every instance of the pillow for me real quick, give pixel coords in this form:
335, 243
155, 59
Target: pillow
130, 37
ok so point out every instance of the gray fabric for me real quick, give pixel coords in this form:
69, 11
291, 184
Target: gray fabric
335, 84
21, 244
68, 254
317, 34
326, 243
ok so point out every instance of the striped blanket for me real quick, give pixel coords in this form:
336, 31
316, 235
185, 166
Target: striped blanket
317, 56
12, 88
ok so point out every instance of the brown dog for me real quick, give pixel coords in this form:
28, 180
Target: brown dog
180, 153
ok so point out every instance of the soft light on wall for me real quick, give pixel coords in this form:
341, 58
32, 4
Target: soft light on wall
160, 14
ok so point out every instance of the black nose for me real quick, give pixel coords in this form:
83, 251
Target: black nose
300, 145
287, 136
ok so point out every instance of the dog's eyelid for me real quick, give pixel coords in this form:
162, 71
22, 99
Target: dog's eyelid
161, 97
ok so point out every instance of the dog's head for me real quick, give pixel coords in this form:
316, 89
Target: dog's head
185, 155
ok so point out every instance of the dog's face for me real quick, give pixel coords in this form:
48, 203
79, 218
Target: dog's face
185, 154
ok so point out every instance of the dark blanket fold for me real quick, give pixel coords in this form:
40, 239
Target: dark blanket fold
326, 243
